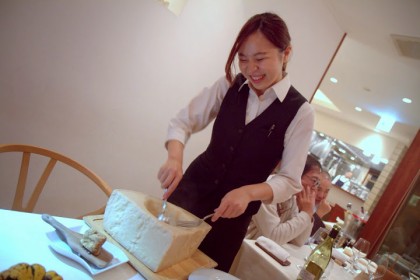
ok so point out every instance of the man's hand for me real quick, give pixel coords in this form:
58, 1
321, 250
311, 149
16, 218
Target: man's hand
324, 208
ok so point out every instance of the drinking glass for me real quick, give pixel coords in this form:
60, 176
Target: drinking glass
318, 237
414, 272
360, 250
378, 266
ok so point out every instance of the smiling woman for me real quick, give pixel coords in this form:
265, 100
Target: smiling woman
260, 119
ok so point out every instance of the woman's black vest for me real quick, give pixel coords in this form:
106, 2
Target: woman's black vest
238, 154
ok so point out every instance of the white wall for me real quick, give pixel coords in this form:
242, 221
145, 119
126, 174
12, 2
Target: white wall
98, 80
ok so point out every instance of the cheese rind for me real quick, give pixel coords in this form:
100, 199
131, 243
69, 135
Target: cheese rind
130, 218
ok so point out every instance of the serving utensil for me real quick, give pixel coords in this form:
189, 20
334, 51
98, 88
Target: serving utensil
162, 217
195, 223
73, 238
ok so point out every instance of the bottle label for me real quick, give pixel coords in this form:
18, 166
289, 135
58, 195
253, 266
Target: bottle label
306, 275
312, 271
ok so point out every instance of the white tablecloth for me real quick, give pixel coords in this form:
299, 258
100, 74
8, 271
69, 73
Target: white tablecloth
253, 263
23, 238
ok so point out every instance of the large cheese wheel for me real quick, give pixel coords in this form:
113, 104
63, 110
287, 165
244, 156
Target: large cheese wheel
131, 219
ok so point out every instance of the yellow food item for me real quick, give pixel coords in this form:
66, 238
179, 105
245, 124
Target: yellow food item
21, 271
38, 272
52, 275
24, 271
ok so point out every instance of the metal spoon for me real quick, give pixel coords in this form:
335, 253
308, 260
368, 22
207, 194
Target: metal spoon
161, 217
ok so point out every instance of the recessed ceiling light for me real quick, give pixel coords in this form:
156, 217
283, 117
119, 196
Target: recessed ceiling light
406, 100
333, 80
358, 109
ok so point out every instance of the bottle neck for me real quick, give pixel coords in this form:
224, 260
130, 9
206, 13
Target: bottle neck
333, 233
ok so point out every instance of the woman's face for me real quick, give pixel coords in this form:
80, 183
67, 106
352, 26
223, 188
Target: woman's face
261, 62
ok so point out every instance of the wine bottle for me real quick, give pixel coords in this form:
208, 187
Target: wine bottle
319, 258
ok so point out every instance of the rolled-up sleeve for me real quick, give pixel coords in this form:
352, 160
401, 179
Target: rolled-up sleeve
201, 110
287, 181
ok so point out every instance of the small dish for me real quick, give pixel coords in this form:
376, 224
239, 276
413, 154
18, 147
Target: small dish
210, 274
62, 248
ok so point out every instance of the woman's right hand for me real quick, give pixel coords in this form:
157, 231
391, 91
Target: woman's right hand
170, 174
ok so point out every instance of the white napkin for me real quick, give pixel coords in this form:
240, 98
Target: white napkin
274, 248
339, 255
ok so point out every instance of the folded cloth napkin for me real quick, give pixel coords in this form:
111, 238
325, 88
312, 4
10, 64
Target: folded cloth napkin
273, 249
339, 255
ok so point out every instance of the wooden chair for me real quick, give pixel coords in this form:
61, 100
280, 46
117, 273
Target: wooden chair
54, 157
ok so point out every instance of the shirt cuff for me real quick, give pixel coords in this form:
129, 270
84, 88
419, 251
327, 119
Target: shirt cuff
283, 188
177, 134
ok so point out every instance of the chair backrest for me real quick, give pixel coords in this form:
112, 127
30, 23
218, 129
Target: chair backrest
336, 211
54, 157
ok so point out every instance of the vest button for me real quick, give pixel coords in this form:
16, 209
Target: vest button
223, 166
216, 182
231, 148
240, 130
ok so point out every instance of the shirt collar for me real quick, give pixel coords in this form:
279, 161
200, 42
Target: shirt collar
280, 89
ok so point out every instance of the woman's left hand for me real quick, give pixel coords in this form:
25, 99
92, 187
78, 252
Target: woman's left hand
233, 204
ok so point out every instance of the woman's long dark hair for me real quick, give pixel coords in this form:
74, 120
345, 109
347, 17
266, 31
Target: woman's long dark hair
271, 26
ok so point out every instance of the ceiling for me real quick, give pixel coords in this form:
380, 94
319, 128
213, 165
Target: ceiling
371, 71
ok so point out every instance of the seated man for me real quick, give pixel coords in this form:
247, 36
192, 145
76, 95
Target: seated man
321, 204
292, 220
343, 181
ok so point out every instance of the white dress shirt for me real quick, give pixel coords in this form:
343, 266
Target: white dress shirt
204, 107
282, 223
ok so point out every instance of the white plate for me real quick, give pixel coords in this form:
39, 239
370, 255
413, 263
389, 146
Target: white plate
62, 248
210, 274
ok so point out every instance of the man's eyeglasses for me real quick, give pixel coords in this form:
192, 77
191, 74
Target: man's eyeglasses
315, 181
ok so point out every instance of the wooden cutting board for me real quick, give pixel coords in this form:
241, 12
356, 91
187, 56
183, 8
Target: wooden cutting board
178, 271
